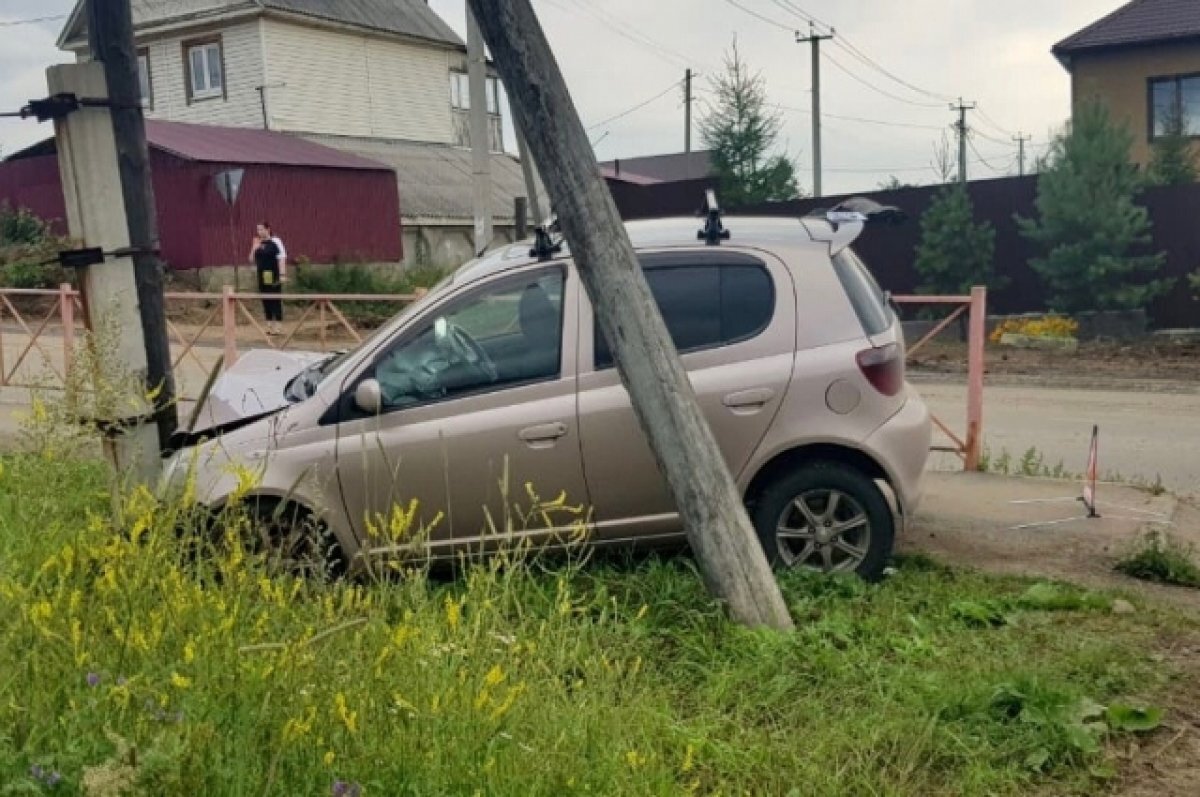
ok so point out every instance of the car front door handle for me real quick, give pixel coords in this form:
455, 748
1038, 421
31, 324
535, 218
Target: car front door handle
749, 399
543, 435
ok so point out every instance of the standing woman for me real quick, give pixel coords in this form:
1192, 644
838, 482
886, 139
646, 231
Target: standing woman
270, 261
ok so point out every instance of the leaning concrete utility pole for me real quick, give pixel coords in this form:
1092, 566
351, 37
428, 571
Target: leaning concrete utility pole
481, 145
110, 38
731, 559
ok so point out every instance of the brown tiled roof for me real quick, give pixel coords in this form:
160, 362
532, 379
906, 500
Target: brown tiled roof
1136, 23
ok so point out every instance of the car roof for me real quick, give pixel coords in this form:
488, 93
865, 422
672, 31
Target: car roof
761, 232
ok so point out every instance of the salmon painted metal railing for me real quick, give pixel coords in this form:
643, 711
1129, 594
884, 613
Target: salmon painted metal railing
970, 446
227, 326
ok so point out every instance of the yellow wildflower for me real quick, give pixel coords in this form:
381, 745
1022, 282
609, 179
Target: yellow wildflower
494, 677
349, 718
329, 757
298, 728
634, 759
180, 681
453, 613
689, 759
189, 652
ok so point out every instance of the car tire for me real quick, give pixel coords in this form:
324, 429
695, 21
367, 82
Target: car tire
845, 524
295, 541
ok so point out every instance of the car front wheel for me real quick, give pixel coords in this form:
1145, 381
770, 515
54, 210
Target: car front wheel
827, 517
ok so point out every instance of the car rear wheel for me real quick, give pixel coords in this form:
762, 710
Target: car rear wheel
827, 517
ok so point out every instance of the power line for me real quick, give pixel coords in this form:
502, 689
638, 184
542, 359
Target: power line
875, 88
756, 15
638, 107
627, 32
884, 122
9, 23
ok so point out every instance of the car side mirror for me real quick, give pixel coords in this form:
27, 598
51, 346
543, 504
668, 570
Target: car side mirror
368, 396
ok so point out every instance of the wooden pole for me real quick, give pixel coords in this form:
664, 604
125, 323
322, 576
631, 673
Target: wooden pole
110, 38
731, 560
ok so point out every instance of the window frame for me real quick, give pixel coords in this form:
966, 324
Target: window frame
148, 99
418, 325
462, 93
695, 259
1177, 82
189, 82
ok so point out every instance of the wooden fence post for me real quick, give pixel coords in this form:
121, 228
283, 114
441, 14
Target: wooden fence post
976, 339
66, 312
229, 324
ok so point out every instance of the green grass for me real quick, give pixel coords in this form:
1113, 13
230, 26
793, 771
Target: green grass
118, 661
1163, 561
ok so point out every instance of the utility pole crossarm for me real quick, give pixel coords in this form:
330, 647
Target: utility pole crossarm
815, 40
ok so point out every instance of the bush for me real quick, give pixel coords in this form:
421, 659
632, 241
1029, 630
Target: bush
27, 244
356, 278
1163, 561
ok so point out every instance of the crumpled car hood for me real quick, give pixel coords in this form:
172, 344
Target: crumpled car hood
253, 387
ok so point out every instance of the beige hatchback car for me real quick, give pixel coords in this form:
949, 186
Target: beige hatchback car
499, 375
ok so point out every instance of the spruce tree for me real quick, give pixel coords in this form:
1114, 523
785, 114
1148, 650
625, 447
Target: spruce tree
1088, 221
955, 252
741, 132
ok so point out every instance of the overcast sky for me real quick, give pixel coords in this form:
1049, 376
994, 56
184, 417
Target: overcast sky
617, 54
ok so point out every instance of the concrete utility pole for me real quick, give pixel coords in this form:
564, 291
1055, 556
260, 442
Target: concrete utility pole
722, 538
961, 127
481, 145
89, 183
815, 40
687, 112
1021, 141
529, 171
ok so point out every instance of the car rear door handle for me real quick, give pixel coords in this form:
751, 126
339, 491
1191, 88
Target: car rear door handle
749, 399
543, 434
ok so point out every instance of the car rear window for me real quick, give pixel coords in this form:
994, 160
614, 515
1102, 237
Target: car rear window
706, 306
869, 301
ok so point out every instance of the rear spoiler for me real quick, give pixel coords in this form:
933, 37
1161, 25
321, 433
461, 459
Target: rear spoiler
841, 225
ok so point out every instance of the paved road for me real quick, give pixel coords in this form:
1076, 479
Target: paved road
1142, 434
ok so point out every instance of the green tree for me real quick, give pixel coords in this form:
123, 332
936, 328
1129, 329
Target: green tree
1088, 221
1173, 161
741, 133
955, 252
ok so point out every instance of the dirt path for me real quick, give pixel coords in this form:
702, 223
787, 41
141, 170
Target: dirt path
971, 520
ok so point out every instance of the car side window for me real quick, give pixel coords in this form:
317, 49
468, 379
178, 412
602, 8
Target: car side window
706, 306
503, 335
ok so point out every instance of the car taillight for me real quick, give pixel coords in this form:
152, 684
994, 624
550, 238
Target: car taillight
884, 368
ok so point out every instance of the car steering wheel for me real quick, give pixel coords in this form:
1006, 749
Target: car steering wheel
470, 350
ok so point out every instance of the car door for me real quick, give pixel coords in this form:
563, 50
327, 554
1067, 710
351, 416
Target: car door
465, 439
732, 317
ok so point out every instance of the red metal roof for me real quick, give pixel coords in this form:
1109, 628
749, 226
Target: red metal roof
237, 145
1136, 23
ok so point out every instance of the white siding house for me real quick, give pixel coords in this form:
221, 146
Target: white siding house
384, 77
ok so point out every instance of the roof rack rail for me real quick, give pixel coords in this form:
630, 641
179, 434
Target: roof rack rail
714, 231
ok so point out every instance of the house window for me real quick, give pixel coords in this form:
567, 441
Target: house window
205, 66
145, 80
460, 102
1173, 100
